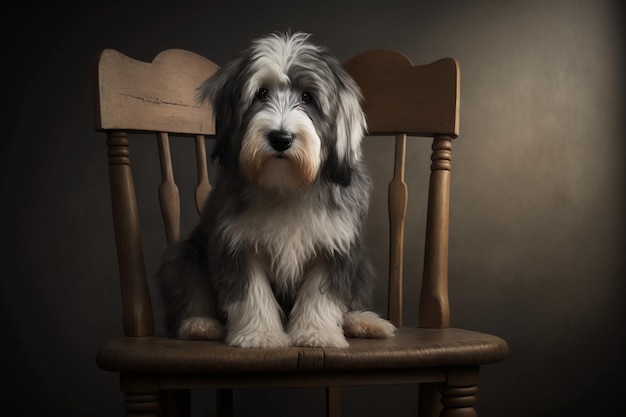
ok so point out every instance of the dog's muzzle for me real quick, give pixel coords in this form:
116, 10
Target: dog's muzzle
279, 140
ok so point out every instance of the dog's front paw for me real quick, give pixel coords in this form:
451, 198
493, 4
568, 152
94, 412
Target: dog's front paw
367, 324
201, 328
258, 339
309, 337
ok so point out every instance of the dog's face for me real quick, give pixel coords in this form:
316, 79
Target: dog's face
286, 114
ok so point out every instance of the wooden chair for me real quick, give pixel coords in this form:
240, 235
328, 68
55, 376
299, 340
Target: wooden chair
157, 373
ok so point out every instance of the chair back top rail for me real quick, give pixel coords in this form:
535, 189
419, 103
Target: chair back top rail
160, 96
403, 98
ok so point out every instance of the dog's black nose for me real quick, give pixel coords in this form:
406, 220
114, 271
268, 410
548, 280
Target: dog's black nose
280, 141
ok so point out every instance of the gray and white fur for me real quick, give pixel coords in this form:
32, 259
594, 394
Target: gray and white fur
278, 257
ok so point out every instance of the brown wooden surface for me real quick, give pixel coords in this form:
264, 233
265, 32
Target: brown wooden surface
204, 186
137, 316
411, 348
160, 96
429, 404
397, 201
168, 192
400, 99
333, 401
434, 309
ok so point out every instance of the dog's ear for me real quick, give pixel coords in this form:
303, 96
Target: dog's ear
219, 89
350, 128
335, 171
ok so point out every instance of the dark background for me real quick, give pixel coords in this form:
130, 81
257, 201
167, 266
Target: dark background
537, 225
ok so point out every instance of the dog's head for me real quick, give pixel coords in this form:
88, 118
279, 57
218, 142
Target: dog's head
286, 114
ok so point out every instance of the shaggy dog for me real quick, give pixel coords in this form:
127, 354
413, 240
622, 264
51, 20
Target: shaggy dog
278, 258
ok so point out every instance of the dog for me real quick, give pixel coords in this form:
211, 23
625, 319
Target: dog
278, 257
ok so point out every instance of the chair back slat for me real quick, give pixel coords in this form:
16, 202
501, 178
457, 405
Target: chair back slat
204, 186
397, 201
402, 99
168, 192
159, 96
417, 100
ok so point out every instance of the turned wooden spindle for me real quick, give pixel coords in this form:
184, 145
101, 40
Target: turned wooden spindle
137, 314
144, 405
458, 393
458, 401
434, 310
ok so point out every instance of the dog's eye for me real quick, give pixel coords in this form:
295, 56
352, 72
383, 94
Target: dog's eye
262, 94
307, 97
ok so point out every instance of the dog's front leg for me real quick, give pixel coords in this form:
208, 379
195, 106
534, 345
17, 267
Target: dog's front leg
256, 320
317, 316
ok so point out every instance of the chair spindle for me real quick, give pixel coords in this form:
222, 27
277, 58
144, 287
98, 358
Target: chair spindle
168, 192
204, 186
434, 309
137, 314
398, 196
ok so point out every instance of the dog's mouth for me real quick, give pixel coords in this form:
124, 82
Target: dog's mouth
280, 155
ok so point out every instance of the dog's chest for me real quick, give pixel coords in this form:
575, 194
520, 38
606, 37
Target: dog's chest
288, 233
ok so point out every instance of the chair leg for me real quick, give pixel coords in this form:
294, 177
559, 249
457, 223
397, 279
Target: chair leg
224, 402
175, 403
333, 401
429, 400
141, 396
458, 394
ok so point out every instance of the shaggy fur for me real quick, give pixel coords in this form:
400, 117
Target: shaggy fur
278, 258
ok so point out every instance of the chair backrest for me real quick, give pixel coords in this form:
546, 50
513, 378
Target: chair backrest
160, 97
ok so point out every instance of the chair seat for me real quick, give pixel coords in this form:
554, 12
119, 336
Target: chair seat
410, 348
